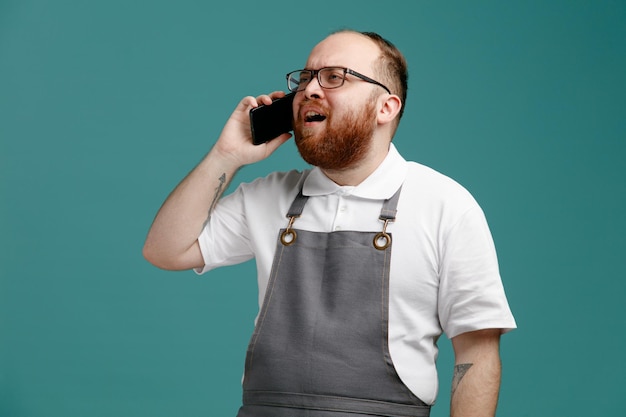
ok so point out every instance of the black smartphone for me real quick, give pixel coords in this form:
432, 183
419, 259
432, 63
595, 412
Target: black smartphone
269, 122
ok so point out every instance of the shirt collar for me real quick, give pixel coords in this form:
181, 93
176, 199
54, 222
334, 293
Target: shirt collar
380, 185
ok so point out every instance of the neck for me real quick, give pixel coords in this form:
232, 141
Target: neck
355, 175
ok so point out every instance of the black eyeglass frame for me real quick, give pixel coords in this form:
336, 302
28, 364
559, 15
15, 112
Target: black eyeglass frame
315, 73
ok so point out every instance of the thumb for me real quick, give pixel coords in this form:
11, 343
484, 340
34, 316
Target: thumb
274, 144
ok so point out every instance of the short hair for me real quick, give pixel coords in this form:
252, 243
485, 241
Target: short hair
392, 68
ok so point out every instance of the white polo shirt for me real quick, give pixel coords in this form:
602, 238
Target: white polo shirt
444, 272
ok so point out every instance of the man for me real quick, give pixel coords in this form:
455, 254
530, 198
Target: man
346, 327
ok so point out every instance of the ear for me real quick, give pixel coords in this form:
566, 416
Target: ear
390, 106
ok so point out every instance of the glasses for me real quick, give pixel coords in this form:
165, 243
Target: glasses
328, 78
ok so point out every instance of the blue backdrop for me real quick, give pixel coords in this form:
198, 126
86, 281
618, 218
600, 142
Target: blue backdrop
106, 105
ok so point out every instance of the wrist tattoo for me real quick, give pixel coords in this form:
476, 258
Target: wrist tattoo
459, 372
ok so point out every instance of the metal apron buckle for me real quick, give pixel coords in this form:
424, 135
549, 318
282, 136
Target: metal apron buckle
288, 236
382, 240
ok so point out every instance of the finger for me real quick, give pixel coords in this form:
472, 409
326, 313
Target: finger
248, 102
264, 99
277, 94
268, 98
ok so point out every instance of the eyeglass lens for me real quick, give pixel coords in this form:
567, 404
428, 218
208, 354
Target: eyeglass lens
327, 77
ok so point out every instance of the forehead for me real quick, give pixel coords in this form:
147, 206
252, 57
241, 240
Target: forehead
345, 49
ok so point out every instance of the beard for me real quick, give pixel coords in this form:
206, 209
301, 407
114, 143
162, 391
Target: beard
342, 144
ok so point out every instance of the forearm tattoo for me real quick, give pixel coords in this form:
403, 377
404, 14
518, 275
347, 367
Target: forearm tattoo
459, 372
218, 192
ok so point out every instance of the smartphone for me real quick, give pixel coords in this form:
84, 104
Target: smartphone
270, 121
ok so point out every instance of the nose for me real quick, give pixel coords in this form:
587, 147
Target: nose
313, 89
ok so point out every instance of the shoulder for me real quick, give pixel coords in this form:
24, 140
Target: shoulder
279, 181
429, 186
277, 188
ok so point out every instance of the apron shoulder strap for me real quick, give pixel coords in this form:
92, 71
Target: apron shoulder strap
390, 205
298, 205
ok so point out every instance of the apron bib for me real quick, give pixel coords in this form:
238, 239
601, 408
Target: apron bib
320, 345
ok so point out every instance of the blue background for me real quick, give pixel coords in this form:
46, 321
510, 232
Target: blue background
106, 105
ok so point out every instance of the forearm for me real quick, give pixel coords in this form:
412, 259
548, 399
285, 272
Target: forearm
476, 393
172, 240
476, 380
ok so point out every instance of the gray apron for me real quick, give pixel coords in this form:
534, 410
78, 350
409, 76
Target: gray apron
320, 345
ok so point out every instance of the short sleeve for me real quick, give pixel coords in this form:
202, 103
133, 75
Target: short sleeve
225, 238
471, 293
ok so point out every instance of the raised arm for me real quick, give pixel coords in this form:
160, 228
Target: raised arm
172, 241
476, 380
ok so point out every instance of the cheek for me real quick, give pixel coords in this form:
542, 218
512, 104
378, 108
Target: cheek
340, 108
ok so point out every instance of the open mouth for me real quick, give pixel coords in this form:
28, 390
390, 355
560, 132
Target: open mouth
314, 117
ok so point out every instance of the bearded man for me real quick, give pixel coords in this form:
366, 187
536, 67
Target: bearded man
346, 327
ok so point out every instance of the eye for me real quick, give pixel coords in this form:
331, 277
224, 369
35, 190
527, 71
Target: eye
332, 76
304, 77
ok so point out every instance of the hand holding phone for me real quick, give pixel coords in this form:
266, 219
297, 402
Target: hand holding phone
270, 121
